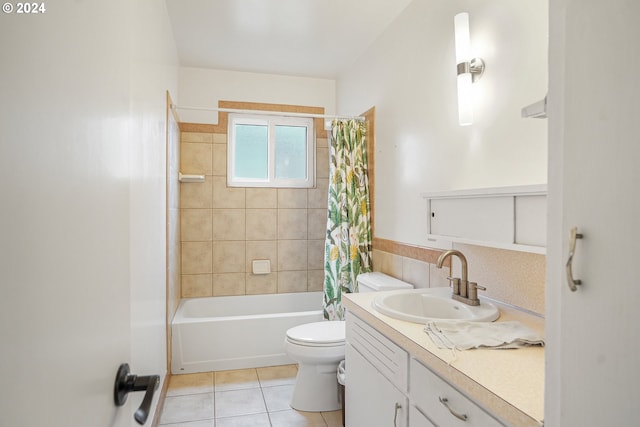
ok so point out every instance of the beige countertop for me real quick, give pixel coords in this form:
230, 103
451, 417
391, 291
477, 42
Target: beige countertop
508, 383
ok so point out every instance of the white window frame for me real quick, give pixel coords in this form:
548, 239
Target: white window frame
271, 122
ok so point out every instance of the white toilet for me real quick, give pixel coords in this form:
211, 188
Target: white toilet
319, 347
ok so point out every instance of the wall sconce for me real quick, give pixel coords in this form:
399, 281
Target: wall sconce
469, 69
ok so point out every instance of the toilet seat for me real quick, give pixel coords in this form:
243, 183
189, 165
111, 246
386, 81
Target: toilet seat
318, 334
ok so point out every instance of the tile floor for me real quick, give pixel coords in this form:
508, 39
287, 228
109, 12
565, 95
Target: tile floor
245, 397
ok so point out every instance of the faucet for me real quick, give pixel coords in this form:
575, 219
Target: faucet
463, 290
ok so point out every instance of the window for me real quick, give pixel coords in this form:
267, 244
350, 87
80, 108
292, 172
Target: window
270, 151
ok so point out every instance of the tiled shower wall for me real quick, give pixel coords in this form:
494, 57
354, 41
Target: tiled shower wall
224, 229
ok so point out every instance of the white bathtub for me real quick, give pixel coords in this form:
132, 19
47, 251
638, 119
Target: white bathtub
236, 332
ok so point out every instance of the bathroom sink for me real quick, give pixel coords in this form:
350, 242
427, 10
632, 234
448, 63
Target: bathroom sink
423, 305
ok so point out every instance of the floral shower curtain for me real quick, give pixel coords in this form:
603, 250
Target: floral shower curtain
348, 242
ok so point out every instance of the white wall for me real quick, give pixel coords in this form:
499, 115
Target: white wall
408, 74
82, 166
153, 72
205, 87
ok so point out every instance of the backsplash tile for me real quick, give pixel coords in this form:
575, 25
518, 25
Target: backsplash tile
512, 277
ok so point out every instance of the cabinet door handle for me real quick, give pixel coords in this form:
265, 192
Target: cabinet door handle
445, 402
573, 283
395, 414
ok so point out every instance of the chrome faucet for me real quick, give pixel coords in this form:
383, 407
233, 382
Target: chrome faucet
463, 290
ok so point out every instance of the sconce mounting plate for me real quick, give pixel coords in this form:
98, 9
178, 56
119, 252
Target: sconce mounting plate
476, 68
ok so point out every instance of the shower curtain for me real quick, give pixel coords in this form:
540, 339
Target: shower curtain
348, 241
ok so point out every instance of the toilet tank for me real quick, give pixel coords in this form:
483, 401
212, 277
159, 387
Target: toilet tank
376, 281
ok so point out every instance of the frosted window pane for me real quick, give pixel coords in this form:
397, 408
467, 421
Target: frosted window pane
251, 151
291, 152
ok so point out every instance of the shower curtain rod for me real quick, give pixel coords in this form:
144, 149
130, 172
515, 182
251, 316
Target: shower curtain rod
266, 112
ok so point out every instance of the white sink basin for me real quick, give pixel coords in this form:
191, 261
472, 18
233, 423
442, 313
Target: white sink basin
423, 305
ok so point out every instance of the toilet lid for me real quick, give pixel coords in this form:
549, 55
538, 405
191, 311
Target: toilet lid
318, 333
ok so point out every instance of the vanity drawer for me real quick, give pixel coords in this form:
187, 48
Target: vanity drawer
382, 353
439, 401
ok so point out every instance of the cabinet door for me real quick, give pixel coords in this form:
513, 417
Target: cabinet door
593, 338
371, 400
418, 419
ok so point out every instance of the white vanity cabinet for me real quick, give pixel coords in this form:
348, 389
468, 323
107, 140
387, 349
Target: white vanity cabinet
376, 378
386, 387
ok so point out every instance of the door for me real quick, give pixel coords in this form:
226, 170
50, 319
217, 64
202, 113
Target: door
593, 336
64, 215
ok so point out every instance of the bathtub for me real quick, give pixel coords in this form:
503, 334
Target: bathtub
236, 332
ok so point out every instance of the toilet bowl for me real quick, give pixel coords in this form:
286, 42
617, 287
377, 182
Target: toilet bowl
319, 347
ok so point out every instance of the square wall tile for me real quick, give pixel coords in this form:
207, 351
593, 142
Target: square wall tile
262, 198
415, 272
292, 255
229, 257
229, 224
195, 158
228, 284
292, 198
292, 281
196, 194
262, 224
219, 161
195, 225
438, 276
292, 224
262, 249
196, 257
196, 137
315, 280
260, 284
219, 138
227, 197
387, 263
315, 254
322, 162
317, 198
317, 224
196, 285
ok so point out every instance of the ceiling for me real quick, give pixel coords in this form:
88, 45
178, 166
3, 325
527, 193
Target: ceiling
311, 38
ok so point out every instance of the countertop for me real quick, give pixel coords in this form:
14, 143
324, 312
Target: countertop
507, 383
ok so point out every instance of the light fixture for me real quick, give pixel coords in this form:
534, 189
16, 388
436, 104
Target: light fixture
469, 69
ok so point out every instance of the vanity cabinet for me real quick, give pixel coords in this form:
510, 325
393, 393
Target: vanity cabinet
386, 387
376, 378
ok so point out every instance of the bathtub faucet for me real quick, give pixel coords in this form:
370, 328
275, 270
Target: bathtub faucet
463, 290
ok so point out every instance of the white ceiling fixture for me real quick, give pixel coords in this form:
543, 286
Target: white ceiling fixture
310, 38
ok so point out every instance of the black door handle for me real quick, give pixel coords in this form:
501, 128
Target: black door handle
126, 382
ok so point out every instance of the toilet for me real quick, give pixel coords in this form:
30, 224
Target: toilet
318, 348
